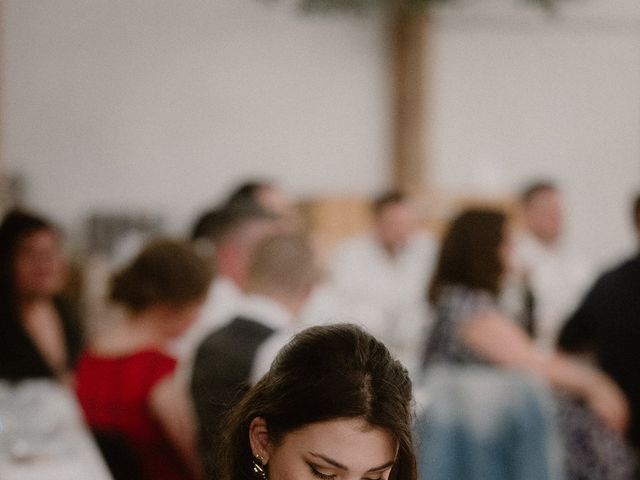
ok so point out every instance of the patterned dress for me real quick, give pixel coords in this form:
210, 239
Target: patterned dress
592, 451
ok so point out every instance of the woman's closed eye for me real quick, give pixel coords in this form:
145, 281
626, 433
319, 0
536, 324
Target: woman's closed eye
316, 471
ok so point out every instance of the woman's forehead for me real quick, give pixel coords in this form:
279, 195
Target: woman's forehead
353, 443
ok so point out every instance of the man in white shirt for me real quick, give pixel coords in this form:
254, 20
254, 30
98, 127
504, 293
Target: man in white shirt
281, 276
556, 276
380, 279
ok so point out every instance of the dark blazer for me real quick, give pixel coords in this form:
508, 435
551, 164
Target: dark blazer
607, 325
220, 377
20, 358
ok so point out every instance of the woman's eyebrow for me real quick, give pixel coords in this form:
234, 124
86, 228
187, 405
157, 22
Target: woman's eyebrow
382, 467
330, 461
336, 464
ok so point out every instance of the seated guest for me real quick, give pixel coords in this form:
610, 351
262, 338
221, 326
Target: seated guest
486, 423
232, 233
556, 275
281, 276
124, 379
607, 326
380, 277
470, 329
39, 331
334, 405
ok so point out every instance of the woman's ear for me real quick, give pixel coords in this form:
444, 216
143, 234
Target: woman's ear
259, 439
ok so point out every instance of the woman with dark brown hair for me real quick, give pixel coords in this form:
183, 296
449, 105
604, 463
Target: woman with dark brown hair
471, 329
39, 330
334, 405
125, 379
474, 256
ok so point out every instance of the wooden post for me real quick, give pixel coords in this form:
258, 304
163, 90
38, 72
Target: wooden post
2, 86
4, 178
408, 32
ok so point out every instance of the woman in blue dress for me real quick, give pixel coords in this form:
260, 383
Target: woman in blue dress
472, 330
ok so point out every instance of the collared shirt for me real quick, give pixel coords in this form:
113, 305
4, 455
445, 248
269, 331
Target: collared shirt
363, 269
263, 310
224, 361
386, 294
271, 314
218, 309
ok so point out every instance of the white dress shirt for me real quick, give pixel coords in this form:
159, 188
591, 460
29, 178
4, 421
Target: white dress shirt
386, 294
272, 314
219, 308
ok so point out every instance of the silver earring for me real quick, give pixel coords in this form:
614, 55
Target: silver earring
258, 465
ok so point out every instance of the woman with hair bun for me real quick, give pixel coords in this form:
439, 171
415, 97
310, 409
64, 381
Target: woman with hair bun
334, 405
125, 380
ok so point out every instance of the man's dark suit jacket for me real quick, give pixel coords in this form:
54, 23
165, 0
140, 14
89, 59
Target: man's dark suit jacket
607, 325
221, 372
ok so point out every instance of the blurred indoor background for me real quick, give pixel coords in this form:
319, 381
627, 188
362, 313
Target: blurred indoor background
158, 108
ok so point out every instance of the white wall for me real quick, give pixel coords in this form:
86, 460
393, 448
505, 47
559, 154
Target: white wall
162, 105
519, 95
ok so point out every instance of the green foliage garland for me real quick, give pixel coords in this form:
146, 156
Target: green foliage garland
363, 5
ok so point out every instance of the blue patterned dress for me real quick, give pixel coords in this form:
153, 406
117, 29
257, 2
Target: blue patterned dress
592, 451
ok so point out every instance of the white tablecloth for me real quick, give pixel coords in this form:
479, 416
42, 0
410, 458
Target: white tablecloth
43, 437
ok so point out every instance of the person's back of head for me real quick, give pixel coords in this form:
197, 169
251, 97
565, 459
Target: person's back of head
264, 194
225, 224
470, 253
324, 374
244, 226
229, 235
283, 265
165, 272
247, 192
206, 230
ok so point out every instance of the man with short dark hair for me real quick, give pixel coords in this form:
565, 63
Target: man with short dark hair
381, 278
606, 326
267, 195
556, 275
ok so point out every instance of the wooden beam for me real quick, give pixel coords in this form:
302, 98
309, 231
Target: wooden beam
2, 83
409, 163
4, 175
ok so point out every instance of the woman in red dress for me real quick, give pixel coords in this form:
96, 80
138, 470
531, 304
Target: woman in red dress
125, 380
